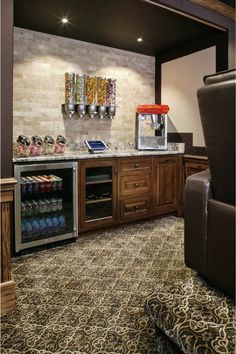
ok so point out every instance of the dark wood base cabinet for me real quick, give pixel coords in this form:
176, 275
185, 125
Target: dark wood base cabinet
126, 189
166, 184
7, 286
97, 193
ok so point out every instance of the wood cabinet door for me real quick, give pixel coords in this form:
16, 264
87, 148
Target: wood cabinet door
166, 184
192, 167
97, 193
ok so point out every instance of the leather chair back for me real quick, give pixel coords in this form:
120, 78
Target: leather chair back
217, 109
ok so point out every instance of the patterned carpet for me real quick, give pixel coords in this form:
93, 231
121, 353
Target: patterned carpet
88, 297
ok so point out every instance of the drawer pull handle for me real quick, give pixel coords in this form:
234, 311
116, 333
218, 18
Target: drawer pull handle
136, 184
136, 207
167, 160
136, 165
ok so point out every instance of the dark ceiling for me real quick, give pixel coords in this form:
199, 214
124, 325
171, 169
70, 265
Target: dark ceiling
229, 2
114, 23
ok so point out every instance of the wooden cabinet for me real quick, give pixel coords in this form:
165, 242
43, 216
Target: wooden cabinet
118, 190
134, 187
166, 183
194, 165
135, 208
7, 285
134, 165
97, 193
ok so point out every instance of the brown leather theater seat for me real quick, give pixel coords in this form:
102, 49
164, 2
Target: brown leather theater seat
210, 195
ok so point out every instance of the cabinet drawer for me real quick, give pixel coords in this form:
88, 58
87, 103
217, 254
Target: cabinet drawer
134, 208
194, 167
135, 165
135, 185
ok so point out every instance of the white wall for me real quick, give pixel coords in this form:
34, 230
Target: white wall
180, 80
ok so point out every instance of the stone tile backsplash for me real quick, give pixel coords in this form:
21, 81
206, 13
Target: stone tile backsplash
40, 61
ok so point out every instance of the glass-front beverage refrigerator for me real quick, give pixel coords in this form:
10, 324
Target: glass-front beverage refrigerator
45, 204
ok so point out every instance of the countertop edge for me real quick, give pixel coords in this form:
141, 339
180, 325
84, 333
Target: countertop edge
83, 156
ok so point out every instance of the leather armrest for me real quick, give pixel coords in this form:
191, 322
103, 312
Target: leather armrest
196, 195
220, 265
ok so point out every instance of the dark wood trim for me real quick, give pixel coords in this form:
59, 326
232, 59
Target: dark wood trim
8, 297
200, 13
6, 87
157, 80
7, 285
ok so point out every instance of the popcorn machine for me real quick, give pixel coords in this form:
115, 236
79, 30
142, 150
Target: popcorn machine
151, 127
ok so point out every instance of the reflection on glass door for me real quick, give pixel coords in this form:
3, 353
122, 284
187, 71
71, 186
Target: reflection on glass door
45, 204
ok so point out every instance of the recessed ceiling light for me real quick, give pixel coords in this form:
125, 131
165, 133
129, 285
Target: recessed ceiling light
64, 20
139, 39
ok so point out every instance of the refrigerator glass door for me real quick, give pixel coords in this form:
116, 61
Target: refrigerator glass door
45, 203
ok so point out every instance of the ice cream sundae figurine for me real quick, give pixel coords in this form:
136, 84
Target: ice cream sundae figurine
49, 145
36, 146
23, 144
60, 145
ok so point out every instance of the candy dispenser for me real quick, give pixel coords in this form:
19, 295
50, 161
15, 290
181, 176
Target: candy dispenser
81, 94
91, 90
69, 88
111, 97
101, 96
69, 108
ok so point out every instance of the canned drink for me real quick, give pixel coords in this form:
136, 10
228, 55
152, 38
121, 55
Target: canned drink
48, 184
49, 224
59, 182
34, 184
23, 185
54, 204
35, 206
23, 229
48, 206
28, 228
55, 223
29, 185
35, 227
42, 226
62, 221
23, 210
42, 207
53, 183
60, 203
42, 184
30, 208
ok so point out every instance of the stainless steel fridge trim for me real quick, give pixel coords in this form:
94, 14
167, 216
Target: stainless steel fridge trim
47, 166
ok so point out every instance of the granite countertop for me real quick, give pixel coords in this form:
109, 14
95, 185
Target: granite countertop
80, 155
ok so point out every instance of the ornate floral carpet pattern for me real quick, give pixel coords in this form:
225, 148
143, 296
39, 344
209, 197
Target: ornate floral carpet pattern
88, 297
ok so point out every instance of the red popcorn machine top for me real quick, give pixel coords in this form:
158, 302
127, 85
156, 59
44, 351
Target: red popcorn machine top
151, 127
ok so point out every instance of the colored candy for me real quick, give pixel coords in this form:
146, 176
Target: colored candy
91, 89
101, 91
80, 89
111, 92
69, 88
